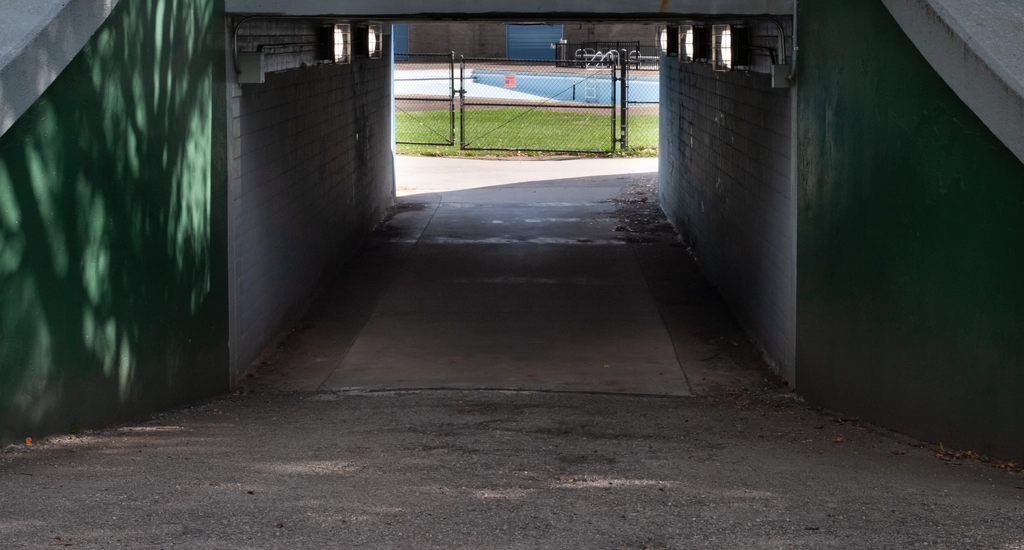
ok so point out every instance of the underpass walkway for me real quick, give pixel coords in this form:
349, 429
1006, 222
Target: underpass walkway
556, 275
522, 356
523, 285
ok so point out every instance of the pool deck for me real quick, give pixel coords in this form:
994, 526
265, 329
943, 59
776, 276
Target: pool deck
435, 82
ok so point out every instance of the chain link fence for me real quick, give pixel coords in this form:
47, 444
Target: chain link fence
592, 99
643, 104
525, 105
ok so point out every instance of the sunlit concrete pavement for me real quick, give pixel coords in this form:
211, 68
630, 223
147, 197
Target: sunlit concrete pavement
522, 357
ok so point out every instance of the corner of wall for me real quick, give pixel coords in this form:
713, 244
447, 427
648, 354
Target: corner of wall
976, 50
45, 37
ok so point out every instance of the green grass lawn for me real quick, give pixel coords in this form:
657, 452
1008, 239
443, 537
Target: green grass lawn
519, 128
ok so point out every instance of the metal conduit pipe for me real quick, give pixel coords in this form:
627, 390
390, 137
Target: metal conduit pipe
782, 35
234, 37
792, 68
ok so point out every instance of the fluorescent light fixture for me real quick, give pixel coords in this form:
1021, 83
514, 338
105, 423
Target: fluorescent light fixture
686, 44
343, 43
721, 50
334, 43
368, 41
375, 41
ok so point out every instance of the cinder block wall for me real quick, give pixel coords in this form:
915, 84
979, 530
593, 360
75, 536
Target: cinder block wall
726, 184
313, 172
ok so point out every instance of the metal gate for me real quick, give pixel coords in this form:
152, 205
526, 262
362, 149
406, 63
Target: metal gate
553, 106
593, 98
425, 98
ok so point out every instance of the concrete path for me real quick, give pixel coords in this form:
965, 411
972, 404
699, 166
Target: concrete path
648, 421
497, 275
516, 286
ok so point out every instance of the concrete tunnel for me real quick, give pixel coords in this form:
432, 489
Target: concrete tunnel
163, 225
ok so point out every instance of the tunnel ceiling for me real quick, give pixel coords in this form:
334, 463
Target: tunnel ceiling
513, 9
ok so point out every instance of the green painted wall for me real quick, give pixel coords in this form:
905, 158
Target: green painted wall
910, 308
113, 296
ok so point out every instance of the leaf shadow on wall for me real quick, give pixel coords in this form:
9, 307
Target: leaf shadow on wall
112, 293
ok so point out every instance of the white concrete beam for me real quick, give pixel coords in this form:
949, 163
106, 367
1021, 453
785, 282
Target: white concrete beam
512, 9
977, 46
37, 41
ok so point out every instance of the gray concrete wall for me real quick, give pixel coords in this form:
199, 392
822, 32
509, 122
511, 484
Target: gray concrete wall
469, 39
312, 172
726, 183
645, 33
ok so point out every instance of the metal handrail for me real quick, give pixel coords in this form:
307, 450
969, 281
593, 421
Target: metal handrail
598, 58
